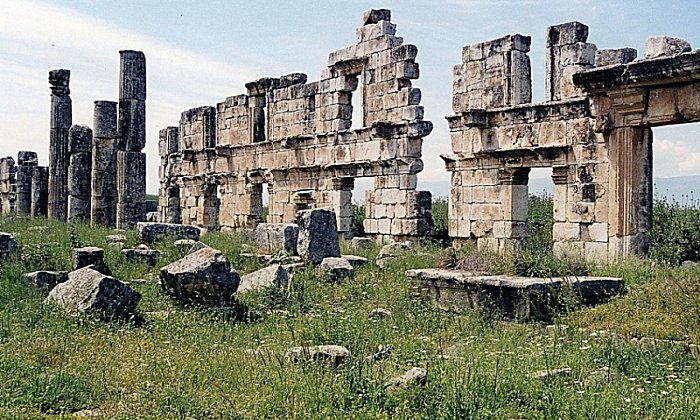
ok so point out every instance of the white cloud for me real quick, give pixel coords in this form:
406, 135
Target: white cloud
36, 37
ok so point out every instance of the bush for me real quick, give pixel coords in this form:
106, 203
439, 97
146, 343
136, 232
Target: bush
675, 233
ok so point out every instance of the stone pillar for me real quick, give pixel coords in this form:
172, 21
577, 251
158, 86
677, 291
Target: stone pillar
61, 121
514, 196
342, 204
79, 173
27, 161
631, 191
40, 191
8, 186
169, 195
103, 209
567, 53
131, 163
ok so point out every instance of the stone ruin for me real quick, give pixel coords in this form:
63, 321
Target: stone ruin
306, 144
96, 176
594, 130
299, 141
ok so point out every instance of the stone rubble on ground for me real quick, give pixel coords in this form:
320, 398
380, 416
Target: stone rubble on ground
392, 251
139, 254
359, 243
336, 269
184, 245
45, 280
355, 260
273, 237
414, 376
379, 313
9, 247
272, 276
88, 290
153, 232
325, 354
204, 276
83, 257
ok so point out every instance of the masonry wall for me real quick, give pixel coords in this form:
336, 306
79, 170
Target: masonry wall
294, 138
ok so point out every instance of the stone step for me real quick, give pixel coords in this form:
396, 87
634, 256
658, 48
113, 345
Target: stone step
522, 298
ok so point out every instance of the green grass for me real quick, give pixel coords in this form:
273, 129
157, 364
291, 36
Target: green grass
191, 362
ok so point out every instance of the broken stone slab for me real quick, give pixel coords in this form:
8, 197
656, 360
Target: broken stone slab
523, 298
611, 57
197, 246
662, 46
355, 261
332, 354
87, 290
204, 276
272, 276
318, 235
46, 280
148, 256
391, 251
9, 247
117, 240
273, 237
150, 232
373, 16
337, 268
184, 245
383, 352
83, 257
414, 376
361, 243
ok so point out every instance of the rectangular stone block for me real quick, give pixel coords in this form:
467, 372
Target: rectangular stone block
132, 125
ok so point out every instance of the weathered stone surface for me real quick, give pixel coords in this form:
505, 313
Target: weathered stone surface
45, 280
27, 162
660, 46
90, 256
184, 245
79, 173
61, 121
522, 298
273, 237
318, 237
615, 56
379, 313
414, 376
355, 260
326, 354
40, 191
375, 16
105, 120
115, 239
88, 290
153, 232
272, 276
204, 276
336, 268
362, 243
148, 256
197, 246
104, 181
390, 252
9, 247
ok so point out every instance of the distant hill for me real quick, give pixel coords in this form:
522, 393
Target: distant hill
680, 188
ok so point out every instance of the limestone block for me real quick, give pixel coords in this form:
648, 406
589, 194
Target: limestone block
45, 280
147, 256
609, 57
566, 34
318, 237
689, 101
661, 46
566, 231
9, 247
374, 16
132, 125
153, 232
325, 354
579, 53
90, 291
204, 276
132, 75
272, 276
90, 256
273, 237
337, 268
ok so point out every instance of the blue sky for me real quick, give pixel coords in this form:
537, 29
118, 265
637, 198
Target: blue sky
198, 53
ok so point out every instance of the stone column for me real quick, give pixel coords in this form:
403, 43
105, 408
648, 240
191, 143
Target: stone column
40, 191
61, 121
79, 173
8, 186
104, 165
25, 171
131, 163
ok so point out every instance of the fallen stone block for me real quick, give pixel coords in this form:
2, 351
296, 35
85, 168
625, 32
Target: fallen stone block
356, 261
390, 252
204, 276
150, 232
46, 280
87, 290
334, 355
115, 239
83, 257
9, 247
337, 269
318, 235
414, 376
273, 237
148, 256
522, 298
379, 313
197, 246
272, 276
662, 46
184, 245
361, 243
550, 373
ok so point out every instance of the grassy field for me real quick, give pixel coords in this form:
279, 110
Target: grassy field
198, 363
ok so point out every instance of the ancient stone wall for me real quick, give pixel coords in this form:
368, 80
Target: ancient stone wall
295, 139
593, 131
